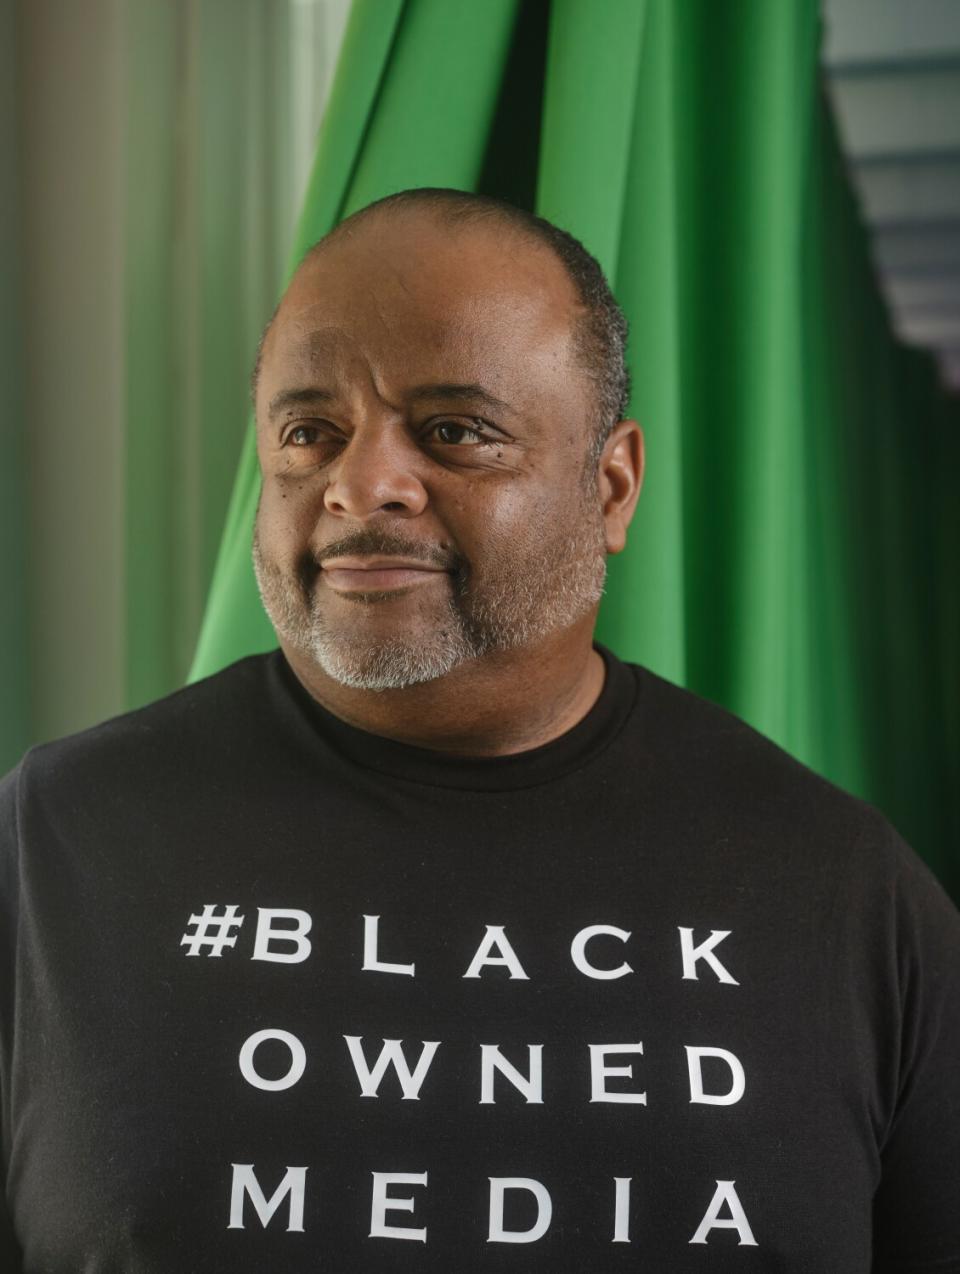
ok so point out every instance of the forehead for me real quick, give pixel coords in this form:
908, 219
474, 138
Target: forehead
409, 297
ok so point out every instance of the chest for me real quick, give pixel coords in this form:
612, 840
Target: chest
413, 1057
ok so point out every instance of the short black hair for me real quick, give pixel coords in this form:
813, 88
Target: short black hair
601, 330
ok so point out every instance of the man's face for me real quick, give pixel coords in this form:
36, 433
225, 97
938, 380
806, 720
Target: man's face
420, 399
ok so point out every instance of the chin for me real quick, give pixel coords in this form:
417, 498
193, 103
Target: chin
387, 665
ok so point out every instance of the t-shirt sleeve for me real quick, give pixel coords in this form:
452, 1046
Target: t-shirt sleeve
10, 1254
917, 1205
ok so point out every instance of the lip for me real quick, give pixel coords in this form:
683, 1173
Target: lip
378, 563
380, 579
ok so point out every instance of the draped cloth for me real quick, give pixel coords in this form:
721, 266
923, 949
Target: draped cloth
793, 552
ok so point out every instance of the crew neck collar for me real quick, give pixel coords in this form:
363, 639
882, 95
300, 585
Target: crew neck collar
568, 752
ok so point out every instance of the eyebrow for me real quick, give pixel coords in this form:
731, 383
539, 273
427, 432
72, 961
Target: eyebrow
297, 397
421, 393
463, 393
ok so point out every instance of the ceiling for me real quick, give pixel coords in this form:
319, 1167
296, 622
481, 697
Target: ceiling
893, 71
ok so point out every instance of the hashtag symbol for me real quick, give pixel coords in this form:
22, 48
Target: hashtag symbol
212, 930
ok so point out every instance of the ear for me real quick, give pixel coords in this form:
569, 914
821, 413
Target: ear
620, 477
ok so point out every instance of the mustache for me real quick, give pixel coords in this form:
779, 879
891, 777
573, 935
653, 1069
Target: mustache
374, 541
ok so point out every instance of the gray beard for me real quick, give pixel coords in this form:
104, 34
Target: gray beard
518, 604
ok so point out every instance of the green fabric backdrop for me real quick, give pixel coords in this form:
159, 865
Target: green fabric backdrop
793, 552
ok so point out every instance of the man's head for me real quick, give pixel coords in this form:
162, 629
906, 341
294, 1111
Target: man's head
441, 383
600, 327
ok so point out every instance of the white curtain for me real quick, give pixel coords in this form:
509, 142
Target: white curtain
159, 152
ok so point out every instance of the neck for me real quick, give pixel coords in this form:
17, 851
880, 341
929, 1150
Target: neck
503, 703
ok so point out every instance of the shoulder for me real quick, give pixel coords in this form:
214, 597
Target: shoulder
187, 729
725, 771
787, 837
695, 736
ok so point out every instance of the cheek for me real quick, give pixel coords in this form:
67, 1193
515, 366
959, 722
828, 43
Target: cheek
287, 515
519, 523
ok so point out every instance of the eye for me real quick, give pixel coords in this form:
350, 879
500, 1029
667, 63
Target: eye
453, 432
293, 439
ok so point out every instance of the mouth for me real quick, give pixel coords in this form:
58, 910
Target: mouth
346, 575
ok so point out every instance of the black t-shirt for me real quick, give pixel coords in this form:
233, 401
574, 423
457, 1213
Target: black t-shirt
281, 995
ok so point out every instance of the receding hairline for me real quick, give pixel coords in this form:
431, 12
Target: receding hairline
447, 219
445, 214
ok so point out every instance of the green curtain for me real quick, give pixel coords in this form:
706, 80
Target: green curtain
793, 552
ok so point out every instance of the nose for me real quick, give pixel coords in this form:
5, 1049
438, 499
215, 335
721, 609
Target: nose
376, 471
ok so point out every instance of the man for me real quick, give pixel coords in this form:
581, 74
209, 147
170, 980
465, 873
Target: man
439, 938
